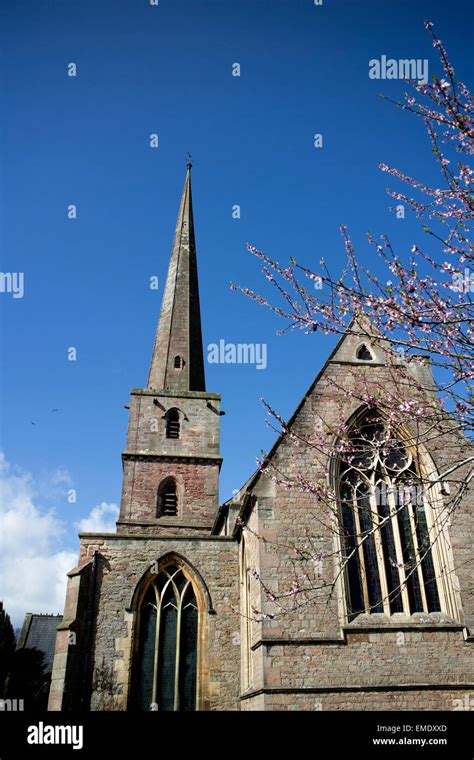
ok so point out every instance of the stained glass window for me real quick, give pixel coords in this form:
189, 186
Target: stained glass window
386, 547
168, 639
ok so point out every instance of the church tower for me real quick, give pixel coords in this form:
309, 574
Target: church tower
153, 607
171, 461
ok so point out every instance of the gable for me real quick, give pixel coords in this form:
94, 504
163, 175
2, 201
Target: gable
359, 332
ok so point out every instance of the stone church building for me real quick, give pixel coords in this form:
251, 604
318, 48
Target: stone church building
171, 611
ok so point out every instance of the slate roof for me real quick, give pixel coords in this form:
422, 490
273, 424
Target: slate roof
39, 632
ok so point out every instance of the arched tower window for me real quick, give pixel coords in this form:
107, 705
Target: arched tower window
172, 424
386, 546
166, 676
364, 354
167, 498
178, 362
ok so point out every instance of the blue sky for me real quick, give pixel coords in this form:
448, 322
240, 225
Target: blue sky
167, 69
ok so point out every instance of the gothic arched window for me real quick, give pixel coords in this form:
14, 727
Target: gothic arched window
386, 545
167, 643
167, 498
172, 424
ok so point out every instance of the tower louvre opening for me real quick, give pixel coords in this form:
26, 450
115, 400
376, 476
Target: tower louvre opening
167, 501
172, 424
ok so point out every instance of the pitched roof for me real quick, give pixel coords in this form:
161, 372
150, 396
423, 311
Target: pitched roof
39, 632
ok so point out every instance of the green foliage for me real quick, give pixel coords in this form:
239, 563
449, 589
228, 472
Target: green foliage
7, 647
27, 680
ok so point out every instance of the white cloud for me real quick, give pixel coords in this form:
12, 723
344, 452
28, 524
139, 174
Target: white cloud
101, 519
34, 556
33, 564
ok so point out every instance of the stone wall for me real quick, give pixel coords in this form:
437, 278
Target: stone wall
428, 700
193, 460
197, 491
69, 677
398, 663
124, 560
199, 420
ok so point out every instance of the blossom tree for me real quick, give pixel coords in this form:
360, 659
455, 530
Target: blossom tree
419, 316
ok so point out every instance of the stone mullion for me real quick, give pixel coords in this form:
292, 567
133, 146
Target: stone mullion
157, 641
179, 600
378, 545
398, 548
418, 568
198, 656
360, 549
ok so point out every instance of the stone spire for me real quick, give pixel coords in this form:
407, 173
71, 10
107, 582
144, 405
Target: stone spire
177, 362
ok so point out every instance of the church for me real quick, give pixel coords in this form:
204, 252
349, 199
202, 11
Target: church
172, 611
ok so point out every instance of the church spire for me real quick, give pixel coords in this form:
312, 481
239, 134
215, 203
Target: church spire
177, 362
